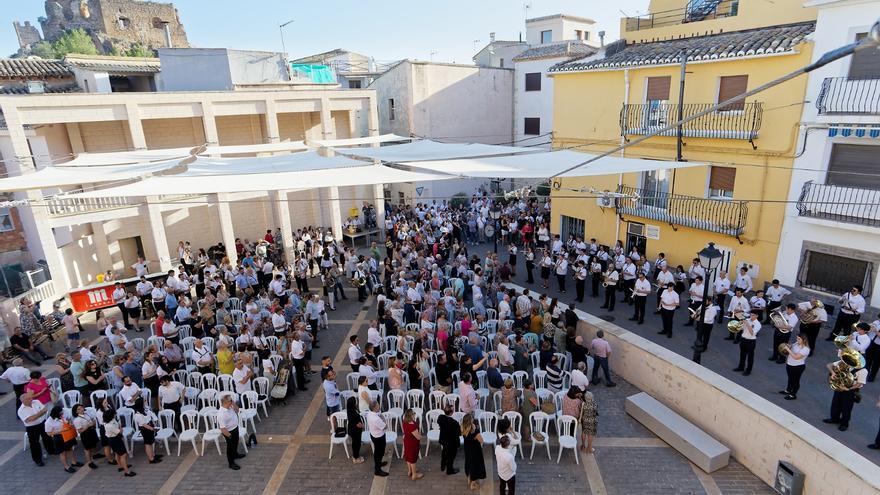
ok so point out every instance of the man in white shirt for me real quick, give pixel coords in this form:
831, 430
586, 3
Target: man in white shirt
750, 329
279, 323
140, 267
18, 376
298, 356
722, 289
524, 303
119, 301
744, 281
504, 308
373, 335
852, 305
695, 292
704, 330
759, 304
664, 277
33, 413
843, 400
579, 376
811, 330
669, 302
130, 391
738, 306
144, 290
241, 376
695, 270
354, 353
227, 420
641, 289
377, 434
782, 333
202, 356
860, 340
561, 269
506, 462
612, 276
170, 394
629, 280
774, 294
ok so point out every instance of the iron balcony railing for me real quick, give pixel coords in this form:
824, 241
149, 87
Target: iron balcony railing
715, 215
694, 11
841, 95
742, 122
840, 204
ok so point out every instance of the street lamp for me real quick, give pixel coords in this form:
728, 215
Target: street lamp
495, 214
710, 260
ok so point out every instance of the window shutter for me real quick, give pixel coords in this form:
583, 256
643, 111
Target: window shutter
532, 126
854, 165
722, 178
658, 88
533, 81
865, 64
730, 86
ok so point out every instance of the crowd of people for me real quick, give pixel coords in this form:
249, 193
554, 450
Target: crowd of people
453, 354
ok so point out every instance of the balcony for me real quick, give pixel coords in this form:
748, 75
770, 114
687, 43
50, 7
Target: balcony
840, 204
694, 11
62, 207
742, 123
841, 95
715, 215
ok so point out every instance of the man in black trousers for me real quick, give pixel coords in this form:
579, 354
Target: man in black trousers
450, 434
377, 434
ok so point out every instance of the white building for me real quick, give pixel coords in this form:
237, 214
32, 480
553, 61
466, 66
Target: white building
832, 225
499, 53
562, 27
353, 70
447, 103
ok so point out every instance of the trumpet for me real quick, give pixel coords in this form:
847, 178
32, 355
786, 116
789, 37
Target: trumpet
734, 325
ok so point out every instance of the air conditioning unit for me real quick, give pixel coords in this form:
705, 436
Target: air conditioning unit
605, 202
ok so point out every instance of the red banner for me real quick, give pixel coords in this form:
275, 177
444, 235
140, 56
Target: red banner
92, 298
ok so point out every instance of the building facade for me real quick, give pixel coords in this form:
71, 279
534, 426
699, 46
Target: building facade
634, 88
832, 222
353, 70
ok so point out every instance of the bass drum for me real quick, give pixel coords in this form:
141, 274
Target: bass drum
489, 231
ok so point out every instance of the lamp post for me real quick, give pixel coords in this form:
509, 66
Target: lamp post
710, 260
495, 213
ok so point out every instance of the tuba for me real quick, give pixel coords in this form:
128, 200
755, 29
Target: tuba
779, 321
811, 316
784, 349
842, 377
735, 325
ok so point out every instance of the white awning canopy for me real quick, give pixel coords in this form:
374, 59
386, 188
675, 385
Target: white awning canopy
65, 176
126, 157
543, 165
384, 138
432, 150
256, 148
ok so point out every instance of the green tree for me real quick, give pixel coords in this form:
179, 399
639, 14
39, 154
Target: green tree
43, 49
74, 41
140, 51
459, 199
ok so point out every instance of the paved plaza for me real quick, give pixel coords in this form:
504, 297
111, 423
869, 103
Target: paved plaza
294, 444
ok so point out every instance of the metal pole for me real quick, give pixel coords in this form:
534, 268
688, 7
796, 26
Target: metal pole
680, 107
824, 60
495, 236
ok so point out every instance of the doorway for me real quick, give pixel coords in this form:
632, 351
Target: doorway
129, 250
635, 236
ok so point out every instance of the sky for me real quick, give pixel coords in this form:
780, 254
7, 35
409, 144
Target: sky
383, 29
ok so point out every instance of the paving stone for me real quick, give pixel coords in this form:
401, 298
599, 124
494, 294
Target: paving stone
648, 470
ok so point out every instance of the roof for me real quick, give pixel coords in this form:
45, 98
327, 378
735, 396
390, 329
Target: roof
320, 57
23, 90
561, 16
498, 44
738, 44
553, 50
115, 65
36, 68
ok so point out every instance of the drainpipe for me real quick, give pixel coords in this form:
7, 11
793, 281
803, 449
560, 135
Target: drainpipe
622, 142
167, 34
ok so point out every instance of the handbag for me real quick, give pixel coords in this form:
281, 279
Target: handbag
339, 432
548, 408
68, 432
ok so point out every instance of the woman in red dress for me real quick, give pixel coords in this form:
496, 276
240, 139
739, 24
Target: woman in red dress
411, 438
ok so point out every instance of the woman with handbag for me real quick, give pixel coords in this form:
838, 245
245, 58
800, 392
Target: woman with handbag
143, 420
88, 434
474, 465
113, 431
355, 429
589, 421
63, 435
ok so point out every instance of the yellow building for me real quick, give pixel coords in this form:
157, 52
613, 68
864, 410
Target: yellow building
633, 88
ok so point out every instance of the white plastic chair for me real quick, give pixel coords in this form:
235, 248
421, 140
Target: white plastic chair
452, 399
433, 428
189, 429
351, 380
519, 378
567, 426
71, 398
157, 341
126, 423
435, 399
55, 385
340, 419
96, 397
194, 379
248, 410
225, 383
208, 398
261, 387
209, 380
515, 419
212, 430
391, 431
488, 427
396, 402
539, 423
166, 428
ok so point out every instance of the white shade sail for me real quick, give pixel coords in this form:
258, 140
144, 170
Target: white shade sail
432, 150
125, 157
543, 165
384, 138
65, 176
256, 148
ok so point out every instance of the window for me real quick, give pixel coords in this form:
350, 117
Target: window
586, 36
655, 188
546, 36
390, 108
502, 63
532, 126
864, 64
721, 181
533, 81
571, 226
6, 223
656, 96
356, 84
578, 34
833, 274
730, 86
854, 165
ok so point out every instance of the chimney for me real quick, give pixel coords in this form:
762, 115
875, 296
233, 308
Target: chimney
167, 35
491, 37
601, 38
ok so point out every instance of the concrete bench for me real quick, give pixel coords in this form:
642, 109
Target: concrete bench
703, 450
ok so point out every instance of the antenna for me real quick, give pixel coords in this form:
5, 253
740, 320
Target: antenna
433, 52
476, 42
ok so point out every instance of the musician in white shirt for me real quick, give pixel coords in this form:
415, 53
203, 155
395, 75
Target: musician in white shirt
860, 340
695, 270
775, 293
750, 329
758, 303
811, 330
744, 281
629, 279
669, 302
696, 296
852, 305
641, 289
783, 332
664, 276
561, 271
795, 363
704, 330
580, 280
611, 279
721, 288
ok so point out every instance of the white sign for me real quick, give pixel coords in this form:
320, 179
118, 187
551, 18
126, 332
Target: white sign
652, 232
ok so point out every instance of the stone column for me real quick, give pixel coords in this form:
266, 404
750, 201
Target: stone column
210, 124
102, 247
282, 216
272, 122
335, 213
138, 140
153, 213
226, 229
